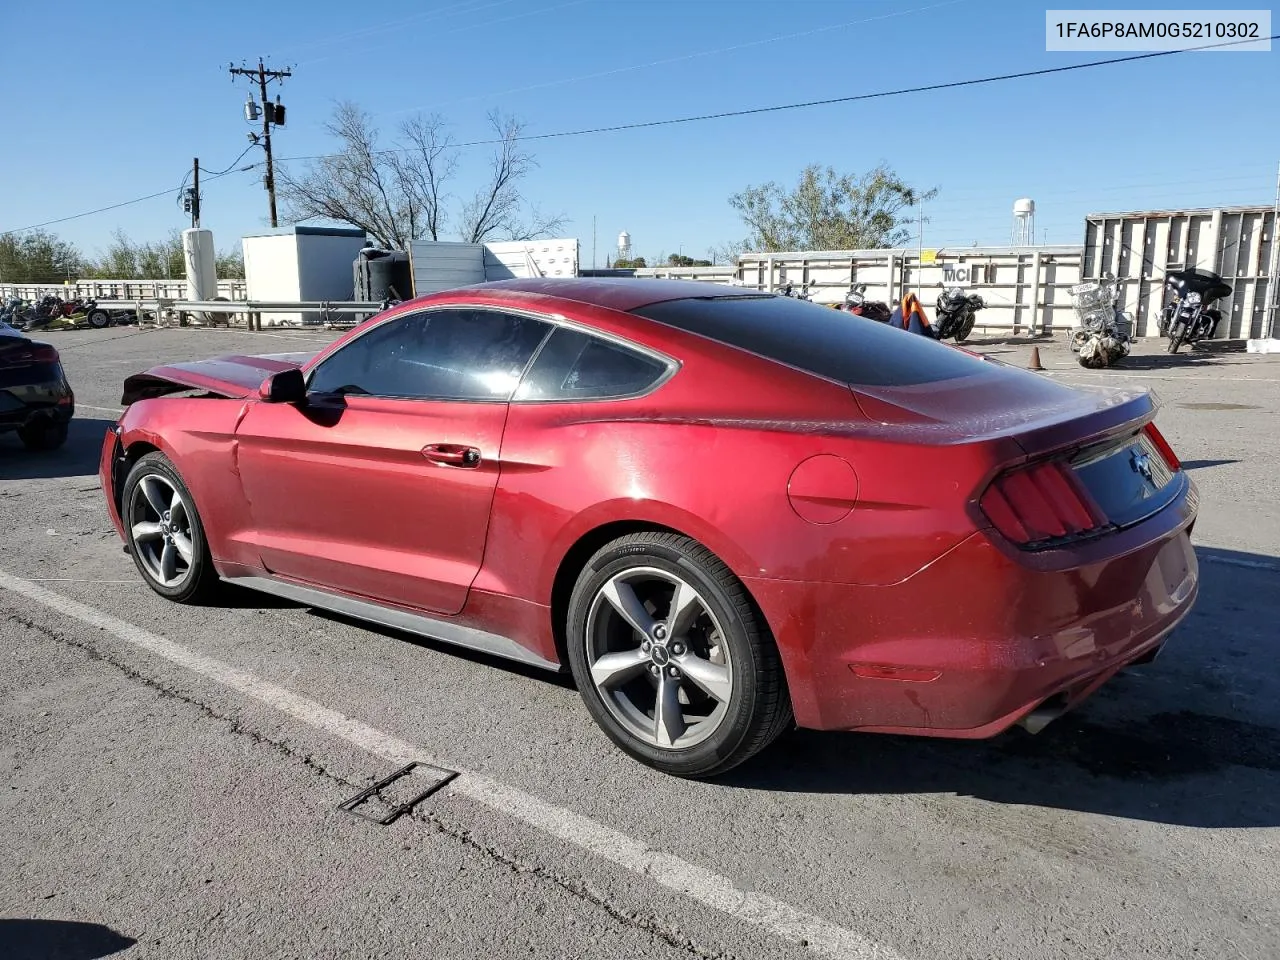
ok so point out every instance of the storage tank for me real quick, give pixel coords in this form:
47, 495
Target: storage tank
1024, 222
382, 275
201, 262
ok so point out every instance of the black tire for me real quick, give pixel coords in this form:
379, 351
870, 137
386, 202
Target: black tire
201, 582
1176, 336
43, 434
758, 708
99, 319
966, 328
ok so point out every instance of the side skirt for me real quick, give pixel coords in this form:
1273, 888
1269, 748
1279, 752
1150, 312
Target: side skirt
397, 619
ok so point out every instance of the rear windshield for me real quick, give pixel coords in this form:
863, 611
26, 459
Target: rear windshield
830, 343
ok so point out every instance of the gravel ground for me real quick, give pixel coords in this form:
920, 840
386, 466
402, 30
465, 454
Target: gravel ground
168, 791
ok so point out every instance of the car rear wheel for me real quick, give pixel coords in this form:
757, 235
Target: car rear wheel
672, 658
43, 434
164, 531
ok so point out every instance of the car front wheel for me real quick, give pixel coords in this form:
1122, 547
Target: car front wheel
164, 531
672, 658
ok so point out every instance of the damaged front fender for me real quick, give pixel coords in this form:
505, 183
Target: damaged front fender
233, 376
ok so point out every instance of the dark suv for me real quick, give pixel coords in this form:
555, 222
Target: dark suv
35, 397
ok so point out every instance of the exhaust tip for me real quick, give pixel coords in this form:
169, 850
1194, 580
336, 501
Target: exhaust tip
1043, 715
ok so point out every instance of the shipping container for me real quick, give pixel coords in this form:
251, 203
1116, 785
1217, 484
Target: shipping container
1140, 248
1026, 289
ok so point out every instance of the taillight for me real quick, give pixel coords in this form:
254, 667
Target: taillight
1162, 446
34, 353
1044, 501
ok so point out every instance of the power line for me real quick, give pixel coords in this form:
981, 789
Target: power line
778, 108
89, 213
687, 56
115, 206
222, 173
427, 16
436, 35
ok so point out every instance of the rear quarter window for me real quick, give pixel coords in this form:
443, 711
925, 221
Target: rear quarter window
830, 343
577, 366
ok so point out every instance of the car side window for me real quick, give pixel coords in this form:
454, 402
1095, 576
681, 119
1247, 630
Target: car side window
449, 354
577, 366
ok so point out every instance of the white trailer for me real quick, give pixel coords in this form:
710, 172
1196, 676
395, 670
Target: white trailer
300, 263
1139, 248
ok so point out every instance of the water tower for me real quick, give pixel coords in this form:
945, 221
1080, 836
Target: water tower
624, 246
1024, 222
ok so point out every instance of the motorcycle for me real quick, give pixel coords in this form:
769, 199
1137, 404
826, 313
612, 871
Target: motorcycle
10, 310
856, 302
1105, 333
956, 313
1188, 317
44, 311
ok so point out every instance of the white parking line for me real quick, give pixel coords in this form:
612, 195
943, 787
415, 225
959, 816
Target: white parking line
698, 883
88, 406
289, 336
1121, 375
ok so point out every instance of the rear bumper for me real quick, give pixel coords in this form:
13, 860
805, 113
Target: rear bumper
49, 397
977, 641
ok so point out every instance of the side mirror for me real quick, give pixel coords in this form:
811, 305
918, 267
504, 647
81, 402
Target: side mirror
287, 386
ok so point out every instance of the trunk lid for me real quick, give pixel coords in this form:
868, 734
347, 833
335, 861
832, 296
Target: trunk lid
234, 376
1072, 462
1003, 402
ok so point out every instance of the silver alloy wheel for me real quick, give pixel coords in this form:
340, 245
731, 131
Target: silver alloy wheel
658, 658
160, 530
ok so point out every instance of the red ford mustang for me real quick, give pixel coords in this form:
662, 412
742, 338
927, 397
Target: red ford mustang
724, 512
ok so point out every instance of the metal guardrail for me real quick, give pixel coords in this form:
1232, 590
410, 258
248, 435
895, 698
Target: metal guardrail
115, 289
214, 311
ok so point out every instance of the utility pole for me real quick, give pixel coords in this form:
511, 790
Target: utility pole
271, 114
1273, 271
195, 192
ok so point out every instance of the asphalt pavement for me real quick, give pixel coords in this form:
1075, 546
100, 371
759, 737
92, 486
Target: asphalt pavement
170, 776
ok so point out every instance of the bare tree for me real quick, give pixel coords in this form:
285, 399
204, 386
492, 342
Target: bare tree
497, 210
428, 162
728, 253
399, 194
358, 185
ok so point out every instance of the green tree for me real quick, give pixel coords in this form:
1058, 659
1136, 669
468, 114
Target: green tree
827, 210
231, 265
37, 257
129, 259
680, 260
728, 253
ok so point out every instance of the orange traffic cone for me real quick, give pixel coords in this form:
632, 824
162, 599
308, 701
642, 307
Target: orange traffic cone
1035, 363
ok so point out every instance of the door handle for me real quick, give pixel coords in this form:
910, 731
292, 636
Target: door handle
452, 454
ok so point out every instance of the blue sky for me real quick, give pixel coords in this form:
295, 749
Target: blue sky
137, 89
